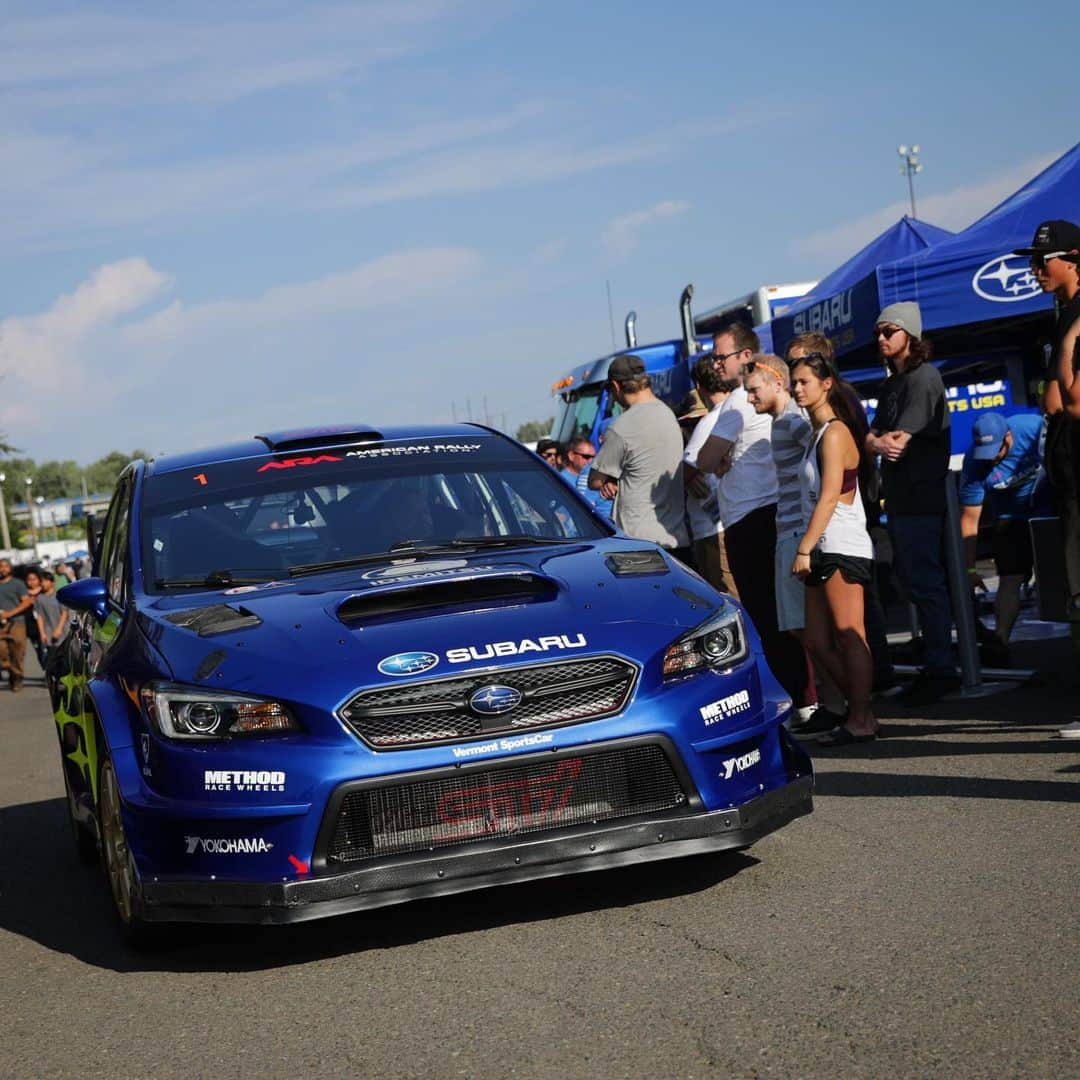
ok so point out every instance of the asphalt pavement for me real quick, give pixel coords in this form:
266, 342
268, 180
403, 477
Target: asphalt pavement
921, 922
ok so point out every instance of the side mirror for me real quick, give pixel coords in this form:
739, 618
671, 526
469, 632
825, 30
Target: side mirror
90, 594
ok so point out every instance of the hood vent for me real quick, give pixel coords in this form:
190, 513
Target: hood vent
218, 619
458, 595
637, 563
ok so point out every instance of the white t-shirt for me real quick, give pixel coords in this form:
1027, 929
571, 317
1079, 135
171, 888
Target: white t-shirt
704, 514
750, 483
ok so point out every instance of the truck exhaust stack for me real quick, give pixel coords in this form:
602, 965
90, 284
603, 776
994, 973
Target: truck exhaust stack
689, 341
631, 330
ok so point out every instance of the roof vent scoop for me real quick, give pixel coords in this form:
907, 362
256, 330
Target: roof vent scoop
316, 438
631, 330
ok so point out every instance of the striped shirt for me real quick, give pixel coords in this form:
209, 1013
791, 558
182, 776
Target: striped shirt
790, 437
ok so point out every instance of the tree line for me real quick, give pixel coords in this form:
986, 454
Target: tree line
61, 479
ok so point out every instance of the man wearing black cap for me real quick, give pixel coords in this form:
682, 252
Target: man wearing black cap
1055, 262
640, 462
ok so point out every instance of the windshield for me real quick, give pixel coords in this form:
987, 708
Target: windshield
259, 518
577, 413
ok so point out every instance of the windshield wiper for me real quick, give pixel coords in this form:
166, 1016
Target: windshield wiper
215, 579
408, 549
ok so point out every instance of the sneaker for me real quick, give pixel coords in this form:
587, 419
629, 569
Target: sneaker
1071, 731
928, 688
821, 721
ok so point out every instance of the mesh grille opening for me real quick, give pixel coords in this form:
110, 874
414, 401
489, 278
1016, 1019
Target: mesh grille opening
438, 710
510, 800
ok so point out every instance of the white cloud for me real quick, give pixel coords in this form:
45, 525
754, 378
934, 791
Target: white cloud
207, 371
621, 235
955, 209
38, 353
92, 59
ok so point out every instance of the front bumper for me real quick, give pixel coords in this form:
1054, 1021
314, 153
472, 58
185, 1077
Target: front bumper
472, 867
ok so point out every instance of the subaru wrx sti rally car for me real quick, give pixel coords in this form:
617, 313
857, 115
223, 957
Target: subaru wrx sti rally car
329, 670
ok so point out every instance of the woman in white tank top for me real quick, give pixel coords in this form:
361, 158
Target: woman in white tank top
835, 554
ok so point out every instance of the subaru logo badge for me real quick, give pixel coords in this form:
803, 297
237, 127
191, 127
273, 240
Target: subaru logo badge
1005, 280
494, 700
408, 663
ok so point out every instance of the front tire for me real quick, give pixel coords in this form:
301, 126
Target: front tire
118, 862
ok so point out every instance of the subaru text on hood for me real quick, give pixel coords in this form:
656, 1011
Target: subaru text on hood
329, 670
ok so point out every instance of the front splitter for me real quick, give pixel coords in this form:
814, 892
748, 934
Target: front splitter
461, 869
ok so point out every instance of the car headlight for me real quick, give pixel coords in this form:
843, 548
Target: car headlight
187, 712
717, 643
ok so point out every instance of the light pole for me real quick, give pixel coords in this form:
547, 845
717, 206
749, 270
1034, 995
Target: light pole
30, 513
909, 166
5, 536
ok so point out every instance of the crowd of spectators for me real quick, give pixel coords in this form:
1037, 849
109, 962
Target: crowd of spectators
31, 613
770, 481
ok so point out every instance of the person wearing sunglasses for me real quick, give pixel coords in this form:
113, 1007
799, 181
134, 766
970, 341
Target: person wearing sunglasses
548, 451
739, 451
1055, 262
910, 433
579, 456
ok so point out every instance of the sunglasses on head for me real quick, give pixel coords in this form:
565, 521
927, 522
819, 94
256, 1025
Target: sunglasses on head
1038, 262
807, 358
886, 332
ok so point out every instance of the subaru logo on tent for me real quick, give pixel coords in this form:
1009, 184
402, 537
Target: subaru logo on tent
1006, 279
408, 663
494, 700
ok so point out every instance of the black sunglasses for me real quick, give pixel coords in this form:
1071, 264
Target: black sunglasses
808, 358
1038, 262
887, 332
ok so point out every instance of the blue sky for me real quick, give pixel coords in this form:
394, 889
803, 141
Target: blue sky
225, 218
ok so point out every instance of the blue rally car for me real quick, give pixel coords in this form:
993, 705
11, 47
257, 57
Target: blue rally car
328, 670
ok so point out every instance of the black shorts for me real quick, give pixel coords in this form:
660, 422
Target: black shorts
854, 570
1011, 544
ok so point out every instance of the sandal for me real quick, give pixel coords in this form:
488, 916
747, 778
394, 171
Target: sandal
843, 737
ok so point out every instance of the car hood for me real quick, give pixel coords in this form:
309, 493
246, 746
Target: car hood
318, 639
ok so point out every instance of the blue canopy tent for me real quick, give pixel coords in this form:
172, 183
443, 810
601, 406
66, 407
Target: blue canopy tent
844, 304
973, 277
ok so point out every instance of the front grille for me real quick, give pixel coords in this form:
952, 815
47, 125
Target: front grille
563, 692
509, 800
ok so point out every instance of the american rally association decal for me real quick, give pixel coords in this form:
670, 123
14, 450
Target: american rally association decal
725, 707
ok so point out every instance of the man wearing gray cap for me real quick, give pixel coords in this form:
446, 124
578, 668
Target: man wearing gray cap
910, 432
639, 464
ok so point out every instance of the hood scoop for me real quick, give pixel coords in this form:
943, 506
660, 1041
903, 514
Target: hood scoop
637, 563
455, 595
218, 619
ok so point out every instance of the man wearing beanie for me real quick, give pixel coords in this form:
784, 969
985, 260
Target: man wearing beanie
1055, 262
911, 434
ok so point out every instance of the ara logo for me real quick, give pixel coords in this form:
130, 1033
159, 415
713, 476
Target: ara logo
1005, 279
408, 663
495, 700
293, 462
